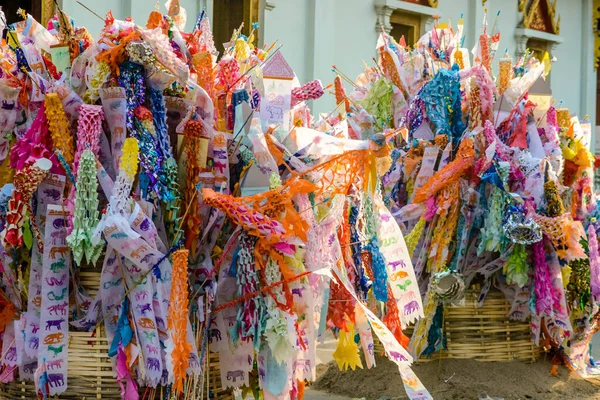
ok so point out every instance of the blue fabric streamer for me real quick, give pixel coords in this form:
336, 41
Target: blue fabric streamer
380, 276
124, 333
442, 99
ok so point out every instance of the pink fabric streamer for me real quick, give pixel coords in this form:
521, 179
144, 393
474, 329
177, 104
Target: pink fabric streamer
543, 282
594, 262
129, 390
431, 208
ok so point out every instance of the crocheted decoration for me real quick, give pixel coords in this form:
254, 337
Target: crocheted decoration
516, 267
203, 65
89, 127
59, 127
378, 102
565, 234
128, 167
251, 313
177, 319
443, 103
227, 74
492, 232
86, 212
309, 91
19, 207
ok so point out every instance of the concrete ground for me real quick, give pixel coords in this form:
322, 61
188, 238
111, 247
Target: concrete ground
316, 395
596, 347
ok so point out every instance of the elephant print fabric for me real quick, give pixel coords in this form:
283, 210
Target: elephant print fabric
402, 279
49, 192
53, 328
114, 106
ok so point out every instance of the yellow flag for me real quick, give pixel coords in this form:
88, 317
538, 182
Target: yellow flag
547, 63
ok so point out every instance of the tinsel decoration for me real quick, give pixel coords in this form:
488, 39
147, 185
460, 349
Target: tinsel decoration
178, 318
578, 288
58, 125
86, 215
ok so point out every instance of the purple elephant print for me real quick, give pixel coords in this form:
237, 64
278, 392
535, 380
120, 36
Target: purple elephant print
234, 375
153, 363
144, 308
56, 322
56, 380
397, 356
410, 307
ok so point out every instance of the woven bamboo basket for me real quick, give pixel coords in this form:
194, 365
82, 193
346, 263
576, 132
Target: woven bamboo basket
90, 372
484, 333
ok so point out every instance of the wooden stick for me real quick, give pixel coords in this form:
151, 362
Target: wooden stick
89, 9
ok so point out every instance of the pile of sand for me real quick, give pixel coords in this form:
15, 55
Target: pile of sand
462, 379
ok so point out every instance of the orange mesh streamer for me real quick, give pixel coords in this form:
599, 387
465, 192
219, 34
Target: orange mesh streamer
339, 174
253, 212
178, 316
464, 160
192, 132
7, 311
58, 125
117, 54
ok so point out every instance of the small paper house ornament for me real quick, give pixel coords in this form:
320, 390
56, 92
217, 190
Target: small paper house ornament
276, 104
